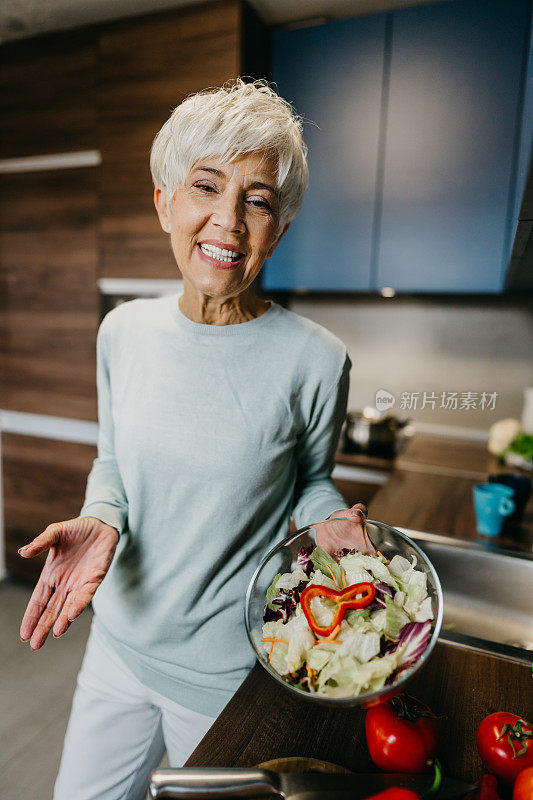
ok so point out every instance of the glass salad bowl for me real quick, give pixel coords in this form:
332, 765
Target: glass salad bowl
403, 616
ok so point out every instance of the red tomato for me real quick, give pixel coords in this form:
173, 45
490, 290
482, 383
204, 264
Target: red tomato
505, 744
402, 734
523, 785
395, 793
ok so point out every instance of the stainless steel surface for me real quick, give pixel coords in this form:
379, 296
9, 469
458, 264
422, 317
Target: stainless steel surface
212, 782
488, 595
195, 783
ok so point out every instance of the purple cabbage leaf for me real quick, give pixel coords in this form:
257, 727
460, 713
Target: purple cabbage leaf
415, 637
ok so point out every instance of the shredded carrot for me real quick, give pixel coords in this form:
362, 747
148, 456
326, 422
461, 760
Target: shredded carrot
273, 640
334, 632
311, 674
332, 574
343, 576
382, 556
328, 641
331, 637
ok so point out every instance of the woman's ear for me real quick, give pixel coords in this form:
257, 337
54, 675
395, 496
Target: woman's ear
278, 239
162, 208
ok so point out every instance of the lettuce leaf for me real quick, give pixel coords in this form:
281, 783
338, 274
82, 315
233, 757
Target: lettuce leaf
322, 560
395, 618
272, 592
357, 563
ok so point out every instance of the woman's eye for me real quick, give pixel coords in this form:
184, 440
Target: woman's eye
259, 202
207, 187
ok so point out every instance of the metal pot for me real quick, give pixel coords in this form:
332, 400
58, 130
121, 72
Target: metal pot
372, 436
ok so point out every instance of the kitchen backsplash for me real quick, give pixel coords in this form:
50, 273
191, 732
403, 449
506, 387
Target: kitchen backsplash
437, 346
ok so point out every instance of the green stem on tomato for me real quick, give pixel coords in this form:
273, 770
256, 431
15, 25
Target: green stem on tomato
437, 780
406, 710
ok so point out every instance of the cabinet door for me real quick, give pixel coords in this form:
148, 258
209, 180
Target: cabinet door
49, 305
47, 94
332, 75
148, 65
450, 152
44, 481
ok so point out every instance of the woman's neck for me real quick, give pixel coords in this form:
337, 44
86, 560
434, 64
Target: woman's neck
222, 311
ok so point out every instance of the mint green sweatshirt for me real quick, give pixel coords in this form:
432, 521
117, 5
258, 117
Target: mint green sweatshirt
210, 439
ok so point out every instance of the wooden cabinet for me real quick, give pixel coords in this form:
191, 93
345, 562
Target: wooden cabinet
47, 94
48, 229
414, 162
44, 481
333, 76
48, 292
148, 65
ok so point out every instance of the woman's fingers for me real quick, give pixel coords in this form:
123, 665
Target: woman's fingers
80, 599
76, 602
345, 529
38, 601
358, 511
48, 538
63, 622
47, 619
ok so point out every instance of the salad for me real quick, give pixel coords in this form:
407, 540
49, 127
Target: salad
346, 625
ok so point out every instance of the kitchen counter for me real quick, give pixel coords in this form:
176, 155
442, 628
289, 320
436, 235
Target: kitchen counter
263, 721
430, 488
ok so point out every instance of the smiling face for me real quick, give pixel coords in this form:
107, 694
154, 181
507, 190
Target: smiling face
223, 223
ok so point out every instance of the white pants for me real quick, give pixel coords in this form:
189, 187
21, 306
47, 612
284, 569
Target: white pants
118, 731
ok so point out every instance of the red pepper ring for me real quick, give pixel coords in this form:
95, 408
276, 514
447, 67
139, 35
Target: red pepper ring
345, 599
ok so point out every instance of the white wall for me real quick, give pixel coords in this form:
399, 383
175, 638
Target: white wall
433, 345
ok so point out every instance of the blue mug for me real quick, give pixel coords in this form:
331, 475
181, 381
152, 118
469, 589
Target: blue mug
521, 485
492, 503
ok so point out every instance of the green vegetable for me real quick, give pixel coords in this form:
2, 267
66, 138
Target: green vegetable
522, 445
326, 564
359, 658
272, 592
395, 619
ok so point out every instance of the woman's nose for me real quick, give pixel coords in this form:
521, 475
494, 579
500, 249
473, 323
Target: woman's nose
229, 214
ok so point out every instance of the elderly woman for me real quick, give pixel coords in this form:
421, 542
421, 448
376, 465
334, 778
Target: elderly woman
219, 416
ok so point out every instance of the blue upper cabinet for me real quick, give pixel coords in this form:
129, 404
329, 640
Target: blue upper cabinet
332, 74
452, 138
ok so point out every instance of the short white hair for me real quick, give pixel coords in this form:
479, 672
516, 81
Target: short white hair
230, 121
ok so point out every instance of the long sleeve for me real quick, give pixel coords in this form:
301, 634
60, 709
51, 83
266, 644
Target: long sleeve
105, 497
316, 495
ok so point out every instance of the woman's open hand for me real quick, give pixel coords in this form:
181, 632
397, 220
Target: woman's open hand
81, 551
347, 533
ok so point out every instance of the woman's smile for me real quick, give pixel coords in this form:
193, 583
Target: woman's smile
220, 255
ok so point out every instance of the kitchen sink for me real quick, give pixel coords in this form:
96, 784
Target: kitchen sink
488, 595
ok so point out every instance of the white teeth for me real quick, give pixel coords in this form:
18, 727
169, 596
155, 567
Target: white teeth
219, 253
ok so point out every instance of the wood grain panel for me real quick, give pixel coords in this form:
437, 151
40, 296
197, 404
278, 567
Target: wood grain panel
356, 491
44, 481
47, 94
263, 721
442, 504
449, 453
49, 303
148, 65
